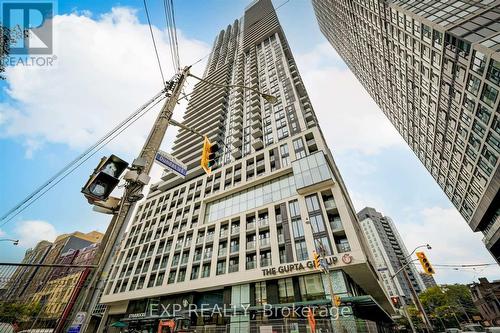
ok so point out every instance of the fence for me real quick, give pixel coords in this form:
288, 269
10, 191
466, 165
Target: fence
39, 297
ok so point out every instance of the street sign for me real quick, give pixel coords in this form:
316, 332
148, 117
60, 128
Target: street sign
77, 323
171, 163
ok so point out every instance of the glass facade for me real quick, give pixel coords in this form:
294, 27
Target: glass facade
270, 191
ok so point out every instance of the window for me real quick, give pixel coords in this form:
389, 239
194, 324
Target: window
317, 223
265, 259
323, 242
285, 290
285, 154
478, 62
489, 95
312, 203
221, 267
473, 85
301, 250
493, 73
182, 275
298, 146
205, 272
234, 264
311, 287
260, 293
297, 227
195, 271
171, 277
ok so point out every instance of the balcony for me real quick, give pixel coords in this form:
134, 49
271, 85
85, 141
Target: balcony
235, 230
197, 257
210, 237
330, 204
251, 226
207, 255
199, 240
343, 247
233, 268
265, 262
263, 222
251, 245
264, 242
336, 224
251, 264
235, 248
222, 252
223, 233
281, 239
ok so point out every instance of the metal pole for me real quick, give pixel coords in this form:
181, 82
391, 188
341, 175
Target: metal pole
403, 303
417, 302
132, 193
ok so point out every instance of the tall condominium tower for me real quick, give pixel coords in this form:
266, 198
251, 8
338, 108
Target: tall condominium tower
433, 67
389, 253
245, 234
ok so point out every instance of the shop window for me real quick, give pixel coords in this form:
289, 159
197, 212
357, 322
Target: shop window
285, 290
311, 287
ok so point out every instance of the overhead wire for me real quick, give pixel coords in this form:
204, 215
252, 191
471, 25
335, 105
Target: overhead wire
74, 164
171, 27
154, 42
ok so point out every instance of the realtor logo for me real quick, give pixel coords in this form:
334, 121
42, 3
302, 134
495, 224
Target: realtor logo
30, 25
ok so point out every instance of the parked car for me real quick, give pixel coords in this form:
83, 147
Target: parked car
473, 328
38, 330
6, 328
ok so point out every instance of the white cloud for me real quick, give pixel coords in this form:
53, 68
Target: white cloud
2, 233
31, 232
353, 120
452, 242
105, 69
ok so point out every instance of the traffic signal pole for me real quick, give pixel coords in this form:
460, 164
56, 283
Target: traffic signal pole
88, 299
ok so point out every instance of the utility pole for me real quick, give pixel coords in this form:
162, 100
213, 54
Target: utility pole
417, 302
87, 300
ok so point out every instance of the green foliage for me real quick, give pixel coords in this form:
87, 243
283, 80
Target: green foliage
10, 311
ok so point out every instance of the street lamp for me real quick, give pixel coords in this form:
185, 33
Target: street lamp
269, 98
14, 241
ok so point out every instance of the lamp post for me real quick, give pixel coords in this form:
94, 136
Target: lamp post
14, 241
414, 295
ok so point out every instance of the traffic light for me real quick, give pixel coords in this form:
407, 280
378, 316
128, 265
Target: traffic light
104, 179
395, 301
426, 265
208, 155
337, 301
316, 260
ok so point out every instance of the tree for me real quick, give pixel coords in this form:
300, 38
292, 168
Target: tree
448, 305
11, 311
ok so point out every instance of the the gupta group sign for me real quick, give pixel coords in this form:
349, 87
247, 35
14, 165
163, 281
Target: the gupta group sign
299, 266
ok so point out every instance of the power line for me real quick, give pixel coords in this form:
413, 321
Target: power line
465, 265
168, 7
74, 164
154, 42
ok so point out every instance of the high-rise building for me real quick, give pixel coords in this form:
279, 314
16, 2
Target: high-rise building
245, 234
433, 67
428, 280
389, 254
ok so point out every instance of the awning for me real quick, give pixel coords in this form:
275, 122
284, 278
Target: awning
119, 324
365, 307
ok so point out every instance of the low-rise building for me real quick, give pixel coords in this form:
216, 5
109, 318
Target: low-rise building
486, 297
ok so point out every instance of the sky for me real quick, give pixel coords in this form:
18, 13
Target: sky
105, 68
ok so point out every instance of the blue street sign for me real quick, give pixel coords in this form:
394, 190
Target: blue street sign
171, 163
